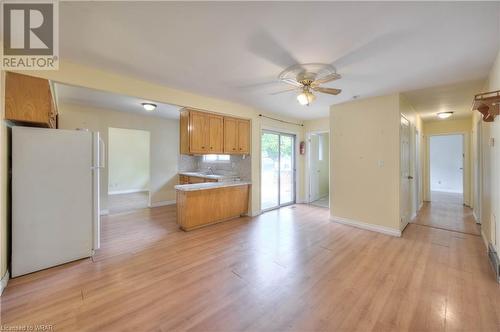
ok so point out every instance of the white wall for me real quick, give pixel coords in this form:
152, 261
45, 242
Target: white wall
446, 163
128, 160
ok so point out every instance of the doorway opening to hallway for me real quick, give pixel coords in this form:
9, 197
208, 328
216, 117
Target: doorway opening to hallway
129, 171
446, 157
319, 169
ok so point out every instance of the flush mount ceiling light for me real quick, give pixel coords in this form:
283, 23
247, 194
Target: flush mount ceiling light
306, 97
444, 115
149, 106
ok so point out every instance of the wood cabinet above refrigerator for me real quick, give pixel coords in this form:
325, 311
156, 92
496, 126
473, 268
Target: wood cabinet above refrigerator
29, 100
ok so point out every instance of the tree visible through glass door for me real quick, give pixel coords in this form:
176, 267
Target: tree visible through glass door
277, 170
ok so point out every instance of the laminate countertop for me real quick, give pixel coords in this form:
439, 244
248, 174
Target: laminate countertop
218, 177
210, 185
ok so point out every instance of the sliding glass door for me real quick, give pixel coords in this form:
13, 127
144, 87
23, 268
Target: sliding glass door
277, 170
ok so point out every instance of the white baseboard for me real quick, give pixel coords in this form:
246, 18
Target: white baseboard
475, 217
369, 227
4, 281
485, 241
162, 203
104, 212
255, 213
128, 191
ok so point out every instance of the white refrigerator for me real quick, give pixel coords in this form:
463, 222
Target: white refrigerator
55, 197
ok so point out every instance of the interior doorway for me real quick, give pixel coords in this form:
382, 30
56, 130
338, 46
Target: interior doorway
319, 169
128, 171
446, 157
277, 170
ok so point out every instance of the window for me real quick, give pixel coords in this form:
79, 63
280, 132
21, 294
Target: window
224, 158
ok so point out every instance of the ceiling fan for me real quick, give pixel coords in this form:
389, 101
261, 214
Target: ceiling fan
306, 78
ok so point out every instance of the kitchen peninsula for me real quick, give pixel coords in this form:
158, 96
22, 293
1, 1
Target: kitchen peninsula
207, 203
215, 168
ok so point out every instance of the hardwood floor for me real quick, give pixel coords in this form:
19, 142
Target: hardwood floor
288, 269
118, 203
446, 211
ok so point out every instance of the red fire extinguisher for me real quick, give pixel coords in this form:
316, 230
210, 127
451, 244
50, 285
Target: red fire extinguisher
302, 147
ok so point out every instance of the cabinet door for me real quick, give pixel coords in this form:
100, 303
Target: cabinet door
27, 99
198, 138
243, 136
230, 135
216, 136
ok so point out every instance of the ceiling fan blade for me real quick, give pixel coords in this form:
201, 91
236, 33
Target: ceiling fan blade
325, 79
330, 91
283, 91
291, 82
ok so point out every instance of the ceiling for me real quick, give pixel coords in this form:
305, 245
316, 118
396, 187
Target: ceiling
94, 98
235, 50
456, 98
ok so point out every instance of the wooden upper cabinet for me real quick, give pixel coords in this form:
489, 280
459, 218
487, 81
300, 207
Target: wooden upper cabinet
208, 133
216, 133
230, 135
29, 99
199, 134
243, 136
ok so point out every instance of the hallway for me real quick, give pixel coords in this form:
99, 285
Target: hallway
447, 212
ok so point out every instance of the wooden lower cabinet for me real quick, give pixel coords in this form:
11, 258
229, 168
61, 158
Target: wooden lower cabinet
200, 208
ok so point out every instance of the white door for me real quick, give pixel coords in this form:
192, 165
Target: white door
405, 173
52, 197
314, 170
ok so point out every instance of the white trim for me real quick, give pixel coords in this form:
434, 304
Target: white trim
255, 213
476, 219
4, 282
128, 191
104, 212
162, 203
370, 227
484, 240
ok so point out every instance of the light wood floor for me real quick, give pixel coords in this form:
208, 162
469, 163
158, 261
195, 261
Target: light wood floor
118, 203
446, 211
289, 269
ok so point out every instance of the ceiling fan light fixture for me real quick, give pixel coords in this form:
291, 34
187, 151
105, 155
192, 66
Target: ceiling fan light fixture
149, 106
305, 98
444, 115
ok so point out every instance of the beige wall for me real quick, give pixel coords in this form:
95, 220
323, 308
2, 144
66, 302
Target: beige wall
364, 171
317, 125
489, 164
128, 160
164, 136
443, 127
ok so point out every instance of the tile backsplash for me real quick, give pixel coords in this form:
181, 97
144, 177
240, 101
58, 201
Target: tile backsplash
237, 165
